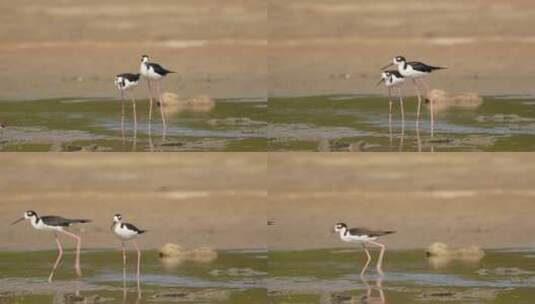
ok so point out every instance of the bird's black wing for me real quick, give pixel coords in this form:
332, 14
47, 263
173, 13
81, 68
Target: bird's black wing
61, 221
371, 233
131, 77
396, 73
159, 69
133, 228
419, 66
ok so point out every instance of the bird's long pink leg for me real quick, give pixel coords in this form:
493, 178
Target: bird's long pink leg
390, 114
138, 268
60, 254
401, 104
124, 261
124, 268
367, 262
161, 108
78, 246
389, 99
402, 120
381, 256
134, 108
431, 112
150, 100
134, 141
419, 100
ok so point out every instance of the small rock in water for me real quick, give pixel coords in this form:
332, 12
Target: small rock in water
3, 125
442, 100
442, 250
173, 255
172, 103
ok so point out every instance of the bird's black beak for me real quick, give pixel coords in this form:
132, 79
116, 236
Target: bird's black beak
22, 218
387, 66
380, 81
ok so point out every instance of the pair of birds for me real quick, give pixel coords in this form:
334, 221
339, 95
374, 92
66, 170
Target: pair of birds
414, 71
152, 72
57, 225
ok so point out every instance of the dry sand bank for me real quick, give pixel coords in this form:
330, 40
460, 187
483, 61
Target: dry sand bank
221, 200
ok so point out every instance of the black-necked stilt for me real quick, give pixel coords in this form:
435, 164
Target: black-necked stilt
416, 71
126, 83
153, 71
127, 232
393, 79
363, 236
56, 224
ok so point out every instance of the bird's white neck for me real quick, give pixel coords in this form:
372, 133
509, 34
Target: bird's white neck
34, 220
343, 231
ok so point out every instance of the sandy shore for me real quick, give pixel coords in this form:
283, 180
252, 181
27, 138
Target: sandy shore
223, 200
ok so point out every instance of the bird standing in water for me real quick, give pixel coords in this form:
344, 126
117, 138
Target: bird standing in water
128, 232
56, 224
363, 237
416, 71
154, 72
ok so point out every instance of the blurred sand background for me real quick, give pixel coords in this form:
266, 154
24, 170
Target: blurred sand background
327, 47
224, 200
74, 48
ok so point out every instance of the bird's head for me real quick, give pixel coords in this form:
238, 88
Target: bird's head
339, 227
398, 60
117, 218
145, 58
28, 215
384, 77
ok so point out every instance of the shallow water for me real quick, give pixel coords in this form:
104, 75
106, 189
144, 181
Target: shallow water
332, 123
95, 125
326, 123
316, 276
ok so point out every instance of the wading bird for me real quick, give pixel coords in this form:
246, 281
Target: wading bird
416, 71
393, 79
56, 224
363, 237
153, 72
126, 83
128, 232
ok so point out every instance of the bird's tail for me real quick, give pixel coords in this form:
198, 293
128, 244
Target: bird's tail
438, 68
81, 221
142, 231
388, 232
